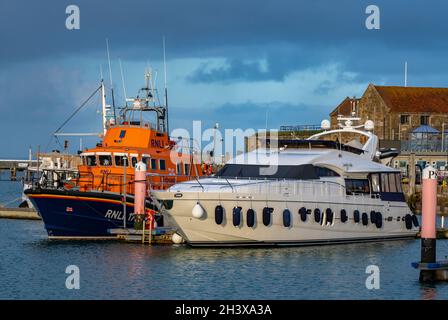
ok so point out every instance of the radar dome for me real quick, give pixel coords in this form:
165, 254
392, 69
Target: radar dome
369, 125
325, 124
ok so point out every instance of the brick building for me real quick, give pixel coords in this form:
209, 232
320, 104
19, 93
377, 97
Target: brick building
412, 119
397, 111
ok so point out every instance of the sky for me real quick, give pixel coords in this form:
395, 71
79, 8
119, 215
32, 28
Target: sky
240, 63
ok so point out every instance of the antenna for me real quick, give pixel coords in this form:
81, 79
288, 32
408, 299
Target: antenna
166, 88
111, 82
405, 73
122, 81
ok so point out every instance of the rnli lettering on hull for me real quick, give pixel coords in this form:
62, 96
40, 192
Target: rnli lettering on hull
118, 215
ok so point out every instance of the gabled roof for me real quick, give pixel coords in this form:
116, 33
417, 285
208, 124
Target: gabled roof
414, 99
344, 108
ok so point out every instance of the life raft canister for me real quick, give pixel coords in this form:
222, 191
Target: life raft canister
236, 216
317, 215
286, 218
303, 213
267, 215
250, 218
344, 216
219, 214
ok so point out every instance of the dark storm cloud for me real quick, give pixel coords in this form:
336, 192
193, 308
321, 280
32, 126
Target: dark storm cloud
32, 29
259, 40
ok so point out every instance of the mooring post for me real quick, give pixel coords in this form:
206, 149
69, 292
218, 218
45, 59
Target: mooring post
140, 193
428, 233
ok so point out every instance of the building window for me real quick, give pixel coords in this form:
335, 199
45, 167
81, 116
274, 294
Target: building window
404, 119
179, 169
424, 120
186, 169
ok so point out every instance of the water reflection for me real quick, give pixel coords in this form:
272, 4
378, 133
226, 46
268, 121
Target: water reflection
111, 270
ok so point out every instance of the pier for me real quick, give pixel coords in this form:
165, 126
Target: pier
19, 213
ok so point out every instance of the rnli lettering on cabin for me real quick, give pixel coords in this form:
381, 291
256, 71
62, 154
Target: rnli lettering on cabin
157, 143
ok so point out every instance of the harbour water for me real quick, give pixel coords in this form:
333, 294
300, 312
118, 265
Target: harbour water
33, 267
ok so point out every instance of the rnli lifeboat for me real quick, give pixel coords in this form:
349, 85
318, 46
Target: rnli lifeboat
101, 197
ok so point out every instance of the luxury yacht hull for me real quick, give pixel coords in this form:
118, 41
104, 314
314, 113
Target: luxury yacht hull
205, 231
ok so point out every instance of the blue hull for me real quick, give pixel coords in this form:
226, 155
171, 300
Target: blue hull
73, 214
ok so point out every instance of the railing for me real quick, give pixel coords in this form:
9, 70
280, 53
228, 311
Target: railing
306, 127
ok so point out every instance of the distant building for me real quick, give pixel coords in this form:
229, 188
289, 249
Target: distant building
412, 119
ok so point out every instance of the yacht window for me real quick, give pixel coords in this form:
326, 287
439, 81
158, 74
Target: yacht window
398, 180
162, 164
119, 161
355, 186
186, 169
153, 164
375, 181
325, 172
298, 172
134, 161
392, 183
105, 160
91, 161
384, 182
122, 134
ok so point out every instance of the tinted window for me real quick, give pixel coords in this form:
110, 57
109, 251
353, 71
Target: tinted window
153, 164
398, 180
384, 182
122, 134
354, 186
274, 172
375, 181
325, 172
105, 160
119, 161
146, 161
179, 169
134, 161
91, 160
186, 169
162, 164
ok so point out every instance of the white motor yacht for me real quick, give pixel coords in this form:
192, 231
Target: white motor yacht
303, 192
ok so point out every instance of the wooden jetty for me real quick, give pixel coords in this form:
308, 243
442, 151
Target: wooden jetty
160, 235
